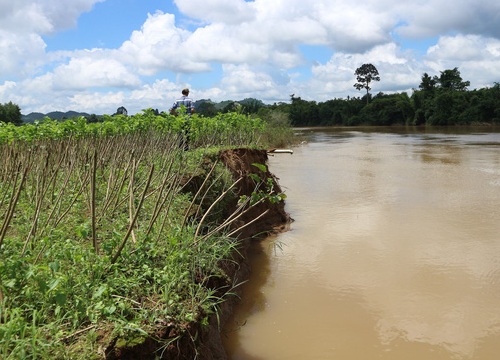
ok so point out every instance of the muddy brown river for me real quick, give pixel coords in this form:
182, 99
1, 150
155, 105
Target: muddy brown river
394, 252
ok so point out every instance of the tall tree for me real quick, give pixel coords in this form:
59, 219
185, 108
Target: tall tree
365, 74
451, 80
10, 113
428, 83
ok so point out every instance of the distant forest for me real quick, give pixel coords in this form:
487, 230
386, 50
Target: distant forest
443, 100
439, 100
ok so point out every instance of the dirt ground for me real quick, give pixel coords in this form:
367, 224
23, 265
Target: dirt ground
205, 343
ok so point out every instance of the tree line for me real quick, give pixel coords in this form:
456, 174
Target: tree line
439, 100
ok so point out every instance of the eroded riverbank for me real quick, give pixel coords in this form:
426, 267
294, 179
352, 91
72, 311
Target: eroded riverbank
204, 342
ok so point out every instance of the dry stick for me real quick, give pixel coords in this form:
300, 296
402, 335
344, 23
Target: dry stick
92, 201
196, 195
248, 223
6, 179
115, 186
113, 183
86, 159
122, 183
170, 197
205, 195
232, 218
131, 226
40, 254
36, 218
139, 158
140, 155
62, 156
110, 191
162, 177
62, 189
44, 190
14, 184
112, 179
40, 185
131, 200
82, 188
78, 332
58, 199
4, 190
159, 204
12, 207
126, 298
212, 206
108, 188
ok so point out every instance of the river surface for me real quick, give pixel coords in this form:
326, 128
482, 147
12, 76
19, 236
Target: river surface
394, 252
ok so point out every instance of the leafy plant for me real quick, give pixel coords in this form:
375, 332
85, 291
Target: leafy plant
102, 235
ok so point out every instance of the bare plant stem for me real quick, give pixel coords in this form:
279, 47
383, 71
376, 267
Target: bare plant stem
132, 224
233, 217
131, 199
122, 183
12, 206
76, 333
197, 193
159, 203
92, 201
73, 201
44, 190
170, 197
205, 195
58, 200
212, 206
248, 223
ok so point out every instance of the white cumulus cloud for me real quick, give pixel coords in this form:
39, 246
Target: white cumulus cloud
246, 49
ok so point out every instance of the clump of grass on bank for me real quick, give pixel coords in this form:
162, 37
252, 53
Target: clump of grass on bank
278, 131
101, 236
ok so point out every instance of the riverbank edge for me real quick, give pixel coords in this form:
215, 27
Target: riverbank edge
204, 342
276, 220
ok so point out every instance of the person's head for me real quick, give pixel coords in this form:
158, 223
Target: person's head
185, 92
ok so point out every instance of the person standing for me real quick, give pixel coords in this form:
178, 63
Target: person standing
185, 101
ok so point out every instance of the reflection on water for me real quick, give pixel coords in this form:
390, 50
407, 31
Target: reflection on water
394, 252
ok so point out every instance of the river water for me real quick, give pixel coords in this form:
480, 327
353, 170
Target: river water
394, 252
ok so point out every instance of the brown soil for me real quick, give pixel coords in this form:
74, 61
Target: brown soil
205, 343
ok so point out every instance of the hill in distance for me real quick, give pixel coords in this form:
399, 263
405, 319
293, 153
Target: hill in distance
56, 115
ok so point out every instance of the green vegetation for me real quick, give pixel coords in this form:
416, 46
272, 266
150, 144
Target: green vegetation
440, 100
10, 113
227, 129
112, 233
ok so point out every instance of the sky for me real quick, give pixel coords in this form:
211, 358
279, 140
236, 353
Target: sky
97, 55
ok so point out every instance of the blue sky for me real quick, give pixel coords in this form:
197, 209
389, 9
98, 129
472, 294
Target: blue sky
107, 25
98, 55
